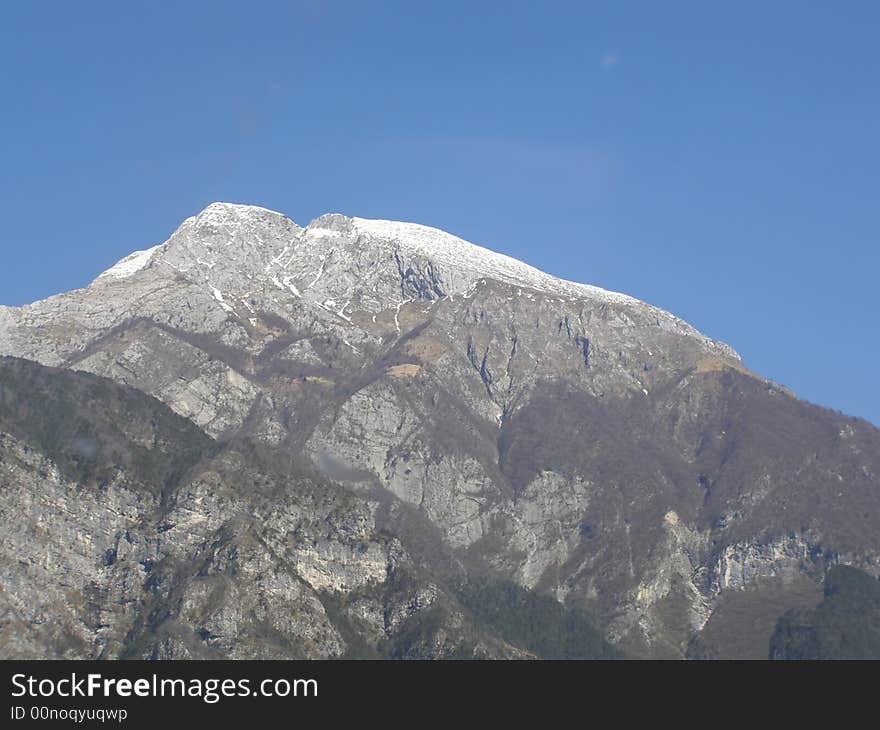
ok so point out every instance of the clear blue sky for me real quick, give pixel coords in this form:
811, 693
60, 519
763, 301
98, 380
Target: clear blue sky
717, 159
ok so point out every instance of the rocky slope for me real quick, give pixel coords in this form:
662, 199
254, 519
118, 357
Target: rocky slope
368, 395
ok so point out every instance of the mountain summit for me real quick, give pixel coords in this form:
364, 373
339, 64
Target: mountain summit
372, 438
244, 247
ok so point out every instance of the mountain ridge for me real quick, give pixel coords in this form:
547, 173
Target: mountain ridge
447, 250
587, 448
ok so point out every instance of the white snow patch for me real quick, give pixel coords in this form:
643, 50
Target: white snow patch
320, 272
222, 213
396, 315
131, 264
286, 285
218, 295
458, 254
323, 232
278, 258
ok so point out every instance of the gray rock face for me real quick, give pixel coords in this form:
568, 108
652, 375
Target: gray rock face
416, 409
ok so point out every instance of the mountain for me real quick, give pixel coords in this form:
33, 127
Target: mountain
846, 625
398, 443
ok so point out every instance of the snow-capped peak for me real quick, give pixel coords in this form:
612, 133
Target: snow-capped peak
131, 264
456, 253
232, 249
220, 212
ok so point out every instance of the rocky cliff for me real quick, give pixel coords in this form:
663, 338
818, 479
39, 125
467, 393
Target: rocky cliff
374, 418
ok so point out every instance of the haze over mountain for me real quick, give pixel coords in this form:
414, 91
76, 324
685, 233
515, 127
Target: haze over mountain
372, 438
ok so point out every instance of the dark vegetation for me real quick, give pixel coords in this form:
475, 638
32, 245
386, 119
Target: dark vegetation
91, 427
846, 625
535, 622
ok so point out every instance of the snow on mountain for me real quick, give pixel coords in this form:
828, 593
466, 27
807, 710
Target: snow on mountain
234, 251
454, 252
444, 249
131, 264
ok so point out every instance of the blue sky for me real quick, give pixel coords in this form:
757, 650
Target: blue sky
718, 160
